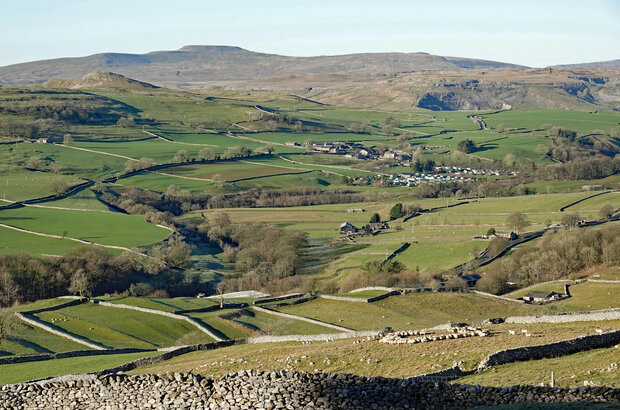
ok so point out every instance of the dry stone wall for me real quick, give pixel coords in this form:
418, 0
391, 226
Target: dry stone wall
549, 350
255, 389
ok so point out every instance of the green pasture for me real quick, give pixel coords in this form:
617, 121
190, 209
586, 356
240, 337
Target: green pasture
225, 329
164, 304
18, 184
581, 121
554, 187
29, 340
39, 304
123, 327
230, 171
12, 242
85, 199
80, 164
21, 372
160, 182
182, 108
274, 325
411, 311
105, 228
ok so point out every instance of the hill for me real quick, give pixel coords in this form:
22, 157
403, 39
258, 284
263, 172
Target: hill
191, 66
597, 65
99, 79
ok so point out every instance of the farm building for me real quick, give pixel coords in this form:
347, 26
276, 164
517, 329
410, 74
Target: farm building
508, 235
377, 226
541, 296
471, 279
347, 228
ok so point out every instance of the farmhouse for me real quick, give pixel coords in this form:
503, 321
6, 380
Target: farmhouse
508, 235
347, 228
377, 226
541, 296
292, 144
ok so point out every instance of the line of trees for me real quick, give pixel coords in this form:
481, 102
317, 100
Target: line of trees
261, 252
555, 256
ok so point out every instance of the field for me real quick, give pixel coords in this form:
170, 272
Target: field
572, 371
584, 296
129, 230
369, 358
20, 372
231, 171
123, 328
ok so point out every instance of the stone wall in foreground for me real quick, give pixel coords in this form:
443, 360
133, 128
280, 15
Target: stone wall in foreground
278, 390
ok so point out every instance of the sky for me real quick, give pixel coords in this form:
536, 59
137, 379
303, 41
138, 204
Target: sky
534, 33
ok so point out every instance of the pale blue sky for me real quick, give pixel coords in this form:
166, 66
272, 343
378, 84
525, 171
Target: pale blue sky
535, 33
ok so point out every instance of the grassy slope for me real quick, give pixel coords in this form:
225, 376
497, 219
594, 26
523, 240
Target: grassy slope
571, 371
124, 328
20, 372
369, 358
129, 230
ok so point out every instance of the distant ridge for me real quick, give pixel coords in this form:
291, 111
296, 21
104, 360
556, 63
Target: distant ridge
598, 65
195, 65
99, 79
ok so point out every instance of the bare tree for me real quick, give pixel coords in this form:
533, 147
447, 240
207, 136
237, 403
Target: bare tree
518, 221
80, 284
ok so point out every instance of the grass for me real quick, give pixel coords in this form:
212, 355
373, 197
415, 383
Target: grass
29, 340
85, 199
230, 171
570, 371
39, 304
274, 325
584, 296
21, 372
414, 310
223, 328
128, 230
124, 328
18, 184
164, 304
12, 242
368, 358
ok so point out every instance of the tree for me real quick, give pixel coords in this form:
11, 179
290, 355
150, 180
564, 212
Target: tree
375, 218
126, 122
466, 146
389, 124
8, 324
570, 219
509, 160
80, 284
491, 231
606, 210
518, 221
67, 139
218, 180
206, 154
297, 127
396, 211
180, 156
58, 187
64, 233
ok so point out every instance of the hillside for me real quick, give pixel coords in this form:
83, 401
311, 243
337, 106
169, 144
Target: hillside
191, 66
99, 79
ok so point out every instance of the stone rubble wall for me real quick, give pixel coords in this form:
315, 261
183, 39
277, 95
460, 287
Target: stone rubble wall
310, 338
278, 298
303, 319
597, 315
64, 355
212, 308
188, 319
256, 389
289, 302
562, 348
